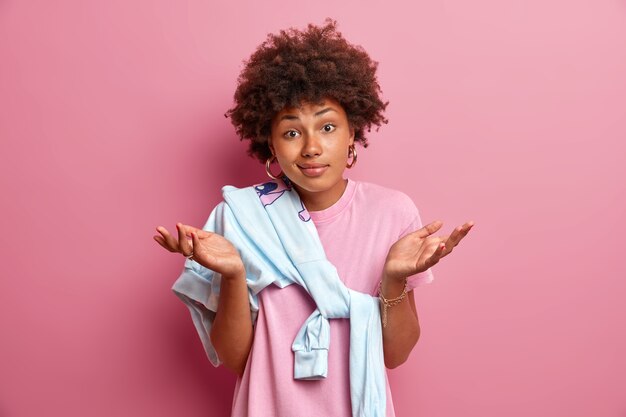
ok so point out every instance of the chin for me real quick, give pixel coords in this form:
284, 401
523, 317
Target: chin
314, 185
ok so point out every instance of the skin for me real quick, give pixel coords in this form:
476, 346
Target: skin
312, 134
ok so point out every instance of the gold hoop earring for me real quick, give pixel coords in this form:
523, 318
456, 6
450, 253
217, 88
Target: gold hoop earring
268, 171
351, 150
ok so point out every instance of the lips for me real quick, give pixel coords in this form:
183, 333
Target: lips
313, 170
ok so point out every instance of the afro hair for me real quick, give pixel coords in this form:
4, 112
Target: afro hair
297, 66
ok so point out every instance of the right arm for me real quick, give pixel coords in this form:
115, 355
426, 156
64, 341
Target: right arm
231, 332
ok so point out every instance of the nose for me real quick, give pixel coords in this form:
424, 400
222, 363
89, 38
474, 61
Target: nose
312, 146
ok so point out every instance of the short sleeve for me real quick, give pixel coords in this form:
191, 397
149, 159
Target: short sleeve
427, 276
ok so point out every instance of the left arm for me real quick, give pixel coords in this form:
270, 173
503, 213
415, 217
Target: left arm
414, 253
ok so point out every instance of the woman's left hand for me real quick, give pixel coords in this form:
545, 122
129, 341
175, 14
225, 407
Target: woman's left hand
418, 251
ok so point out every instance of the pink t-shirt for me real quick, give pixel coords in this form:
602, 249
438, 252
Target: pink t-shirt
356, 233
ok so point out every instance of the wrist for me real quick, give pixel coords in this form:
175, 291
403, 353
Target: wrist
393, 273
391, 293
236, 273
392, 286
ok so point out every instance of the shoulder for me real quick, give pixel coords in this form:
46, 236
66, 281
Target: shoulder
390, 208
388, 200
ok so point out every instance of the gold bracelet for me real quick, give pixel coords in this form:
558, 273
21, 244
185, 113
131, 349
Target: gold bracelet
390, 302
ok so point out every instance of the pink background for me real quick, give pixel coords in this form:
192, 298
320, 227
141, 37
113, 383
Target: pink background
511, 114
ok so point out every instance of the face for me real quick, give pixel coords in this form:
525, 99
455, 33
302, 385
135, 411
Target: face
311, 144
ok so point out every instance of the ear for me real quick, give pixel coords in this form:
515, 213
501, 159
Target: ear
269, 144
351, 135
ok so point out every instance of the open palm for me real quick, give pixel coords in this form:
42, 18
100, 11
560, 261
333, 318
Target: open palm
418, 251
210, 250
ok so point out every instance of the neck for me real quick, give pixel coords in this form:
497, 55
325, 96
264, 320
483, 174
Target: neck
320, 200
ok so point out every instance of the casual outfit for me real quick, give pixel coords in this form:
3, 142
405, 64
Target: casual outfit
356, 234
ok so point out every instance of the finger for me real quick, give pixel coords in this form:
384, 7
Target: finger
429, 245
429, 229
160, 241
466, 227
459, 233
195, 241
185, 246
191, 229
454, 238
437, 254
207, 260
169, 240
188, 229
201, 234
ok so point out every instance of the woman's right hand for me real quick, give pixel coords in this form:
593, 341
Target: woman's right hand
210, 250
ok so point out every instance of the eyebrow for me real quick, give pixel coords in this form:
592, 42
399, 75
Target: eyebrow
319, 113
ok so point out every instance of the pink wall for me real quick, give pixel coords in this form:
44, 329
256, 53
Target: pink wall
512, 114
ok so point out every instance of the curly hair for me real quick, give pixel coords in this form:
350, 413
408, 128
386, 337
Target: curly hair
305, 66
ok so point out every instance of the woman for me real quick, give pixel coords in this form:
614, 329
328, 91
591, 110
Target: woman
304, 99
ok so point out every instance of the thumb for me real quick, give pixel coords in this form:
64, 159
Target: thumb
195, 240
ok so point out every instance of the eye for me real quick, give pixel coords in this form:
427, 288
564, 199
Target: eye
328, 127
291, 134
